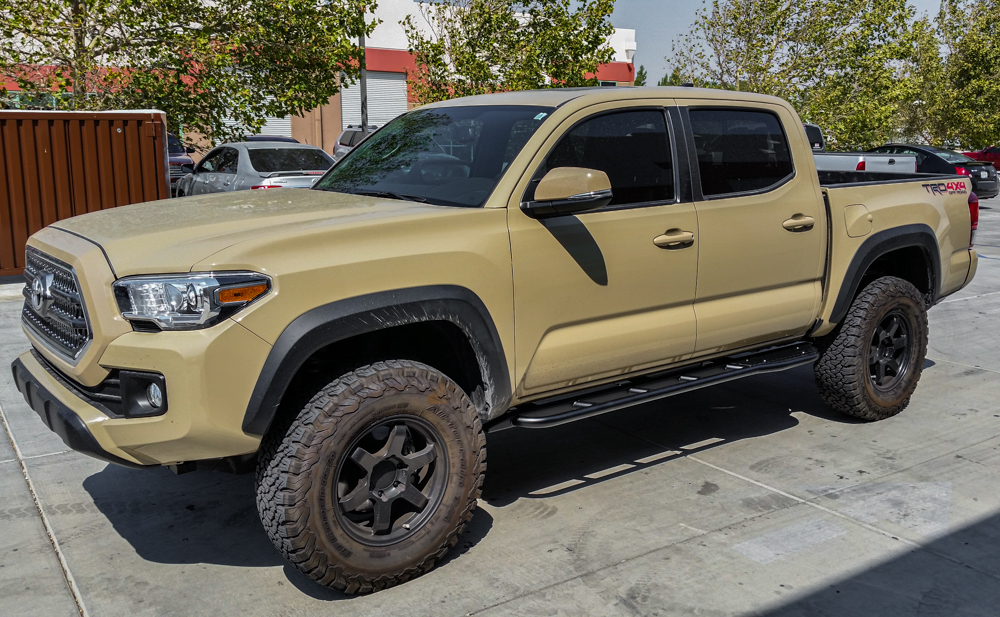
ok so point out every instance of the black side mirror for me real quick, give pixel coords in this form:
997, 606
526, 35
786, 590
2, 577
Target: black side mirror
189, 150
188, 168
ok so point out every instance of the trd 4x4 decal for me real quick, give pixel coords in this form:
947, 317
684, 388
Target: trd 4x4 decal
946, 188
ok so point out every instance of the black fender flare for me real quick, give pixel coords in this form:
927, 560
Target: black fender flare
350, 317
879, 244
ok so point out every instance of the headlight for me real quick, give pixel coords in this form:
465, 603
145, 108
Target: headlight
188, 301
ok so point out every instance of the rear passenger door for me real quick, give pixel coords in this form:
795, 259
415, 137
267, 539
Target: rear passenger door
594, 297
762, 225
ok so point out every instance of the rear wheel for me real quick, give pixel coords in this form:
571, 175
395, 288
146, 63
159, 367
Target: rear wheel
376, 477
872, 366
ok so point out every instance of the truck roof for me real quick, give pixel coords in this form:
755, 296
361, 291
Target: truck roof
556, 97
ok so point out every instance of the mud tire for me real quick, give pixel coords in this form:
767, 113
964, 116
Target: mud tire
842, 371
296, 464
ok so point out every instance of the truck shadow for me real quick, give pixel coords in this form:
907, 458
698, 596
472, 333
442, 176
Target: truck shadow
211, 517
525, 463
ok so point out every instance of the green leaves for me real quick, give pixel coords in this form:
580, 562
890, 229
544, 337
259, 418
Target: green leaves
641, 76
483, 46
217, 68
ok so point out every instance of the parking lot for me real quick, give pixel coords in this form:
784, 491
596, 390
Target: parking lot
751, 497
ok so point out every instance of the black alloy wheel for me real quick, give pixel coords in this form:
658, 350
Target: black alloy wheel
889, 351
390, 481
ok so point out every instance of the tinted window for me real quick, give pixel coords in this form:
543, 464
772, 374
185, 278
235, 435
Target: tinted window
952, 156
228, 161
451, 156
266, 160
174, 145
632, 147
739, 150
345, 138
815, 137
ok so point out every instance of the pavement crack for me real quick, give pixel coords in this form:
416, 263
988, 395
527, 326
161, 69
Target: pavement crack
67, 575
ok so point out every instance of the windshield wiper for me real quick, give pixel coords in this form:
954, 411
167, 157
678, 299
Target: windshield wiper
391, 195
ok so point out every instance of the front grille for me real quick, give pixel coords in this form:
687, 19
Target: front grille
60, 319
105, 396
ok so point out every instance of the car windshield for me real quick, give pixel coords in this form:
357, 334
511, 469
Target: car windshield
269, 160
951, 156
450, 156
174, 145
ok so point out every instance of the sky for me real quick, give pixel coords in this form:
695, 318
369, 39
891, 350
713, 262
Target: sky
658, 23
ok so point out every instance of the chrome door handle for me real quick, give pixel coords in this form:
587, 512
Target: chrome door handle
799, 222
674, 239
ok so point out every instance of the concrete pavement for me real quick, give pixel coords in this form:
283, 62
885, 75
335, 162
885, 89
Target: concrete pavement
748, 498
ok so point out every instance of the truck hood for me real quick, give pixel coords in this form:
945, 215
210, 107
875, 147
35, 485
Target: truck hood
174, 234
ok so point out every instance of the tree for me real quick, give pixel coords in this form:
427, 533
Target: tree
204, 63
837, 61
483, 46
640, 76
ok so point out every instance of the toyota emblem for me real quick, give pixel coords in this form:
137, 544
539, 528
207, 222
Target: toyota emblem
41, 293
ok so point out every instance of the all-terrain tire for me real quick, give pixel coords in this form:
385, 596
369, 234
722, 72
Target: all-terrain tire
300, 471
844, 372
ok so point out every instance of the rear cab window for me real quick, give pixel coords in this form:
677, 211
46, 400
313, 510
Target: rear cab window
740, 151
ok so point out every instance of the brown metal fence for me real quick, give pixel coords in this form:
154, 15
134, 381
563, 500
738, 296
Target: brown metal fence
54, 165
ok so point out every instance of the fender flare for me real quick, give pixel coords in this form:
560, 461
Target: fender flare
879, 244
351, 317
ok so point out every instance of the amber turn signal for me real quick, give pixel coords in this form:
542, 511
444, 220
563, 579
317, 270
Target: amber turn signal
242, 294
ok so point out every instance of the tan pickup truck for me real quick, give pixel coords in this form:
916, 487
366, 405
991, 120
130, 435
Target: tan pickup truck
511, 260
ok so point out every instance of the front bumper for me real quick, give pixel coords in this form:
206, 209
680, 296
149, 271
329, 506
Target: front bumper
58, 416
209, 375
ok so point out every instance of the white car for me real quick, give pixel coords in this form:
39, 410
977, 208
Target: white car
251, 165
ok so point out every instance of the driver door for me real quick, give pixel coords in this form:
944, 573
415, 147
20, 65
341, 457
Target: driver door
594, 297
204, 171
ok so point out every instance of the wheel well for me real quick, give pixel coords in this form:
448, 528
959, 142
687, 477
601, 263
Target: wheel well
909, 263
439, 344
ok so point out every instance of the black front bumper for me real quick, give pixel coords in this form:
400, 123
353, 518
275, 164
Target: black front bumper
60, 419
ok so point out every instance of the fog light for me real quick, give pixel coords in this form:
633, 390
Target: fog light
154, 395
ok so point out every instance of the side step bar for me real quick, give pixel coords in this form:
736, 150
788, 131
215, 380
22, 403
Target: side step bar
577, 406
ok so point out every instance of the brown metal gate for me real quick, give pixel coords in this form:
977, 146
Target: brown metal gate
54, 165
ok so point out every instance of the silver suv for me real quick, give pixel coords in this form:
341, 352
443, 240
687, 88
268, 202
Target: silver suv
352, 136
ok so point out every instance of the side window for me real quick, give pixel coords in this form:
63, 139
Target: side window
228, 162
210, 162
920, 155
739, 150
632, 147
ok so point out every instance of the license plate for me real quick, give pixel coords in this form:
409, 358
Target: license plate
983, 174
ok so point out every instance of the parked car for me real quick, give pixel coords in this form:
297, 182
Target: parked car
179, 156
366, 338
855, 161
352, 136
988, 155
933, 160
255, 165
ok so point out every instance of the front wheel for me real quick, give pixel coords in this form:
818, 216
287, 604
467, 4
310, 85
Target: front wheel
376, 477
871, 367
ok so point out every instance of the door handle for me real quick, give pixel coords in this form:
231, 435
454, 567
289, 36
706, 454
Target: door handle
674, 239
799, 222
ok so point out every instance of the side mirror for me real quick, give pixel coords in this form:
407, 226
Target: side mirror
568, 190
187, 168
189, 150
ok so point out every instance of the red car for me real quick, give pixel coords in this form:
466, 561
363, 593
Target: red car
990, 155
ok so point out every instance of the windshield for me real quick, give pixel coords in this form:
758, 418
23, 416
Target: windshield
174, 145
268, 160
450, 156
952, 157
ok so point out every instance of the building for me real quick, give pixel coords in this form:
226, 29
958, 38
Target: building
388, 61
